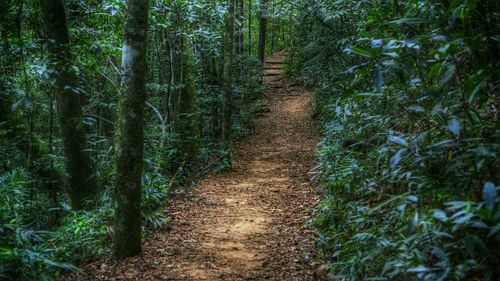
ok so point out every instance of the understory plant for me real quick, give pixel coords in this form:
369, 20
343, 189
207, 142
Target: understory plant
407, 95
41, 235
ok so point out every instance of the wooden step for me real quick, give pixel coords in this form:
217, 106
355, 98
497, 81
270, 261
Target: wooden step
272, 74
273, 70
274, 62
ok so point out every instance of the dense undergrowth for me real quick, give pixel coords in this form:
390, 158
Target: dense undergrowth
40, 235
407, 94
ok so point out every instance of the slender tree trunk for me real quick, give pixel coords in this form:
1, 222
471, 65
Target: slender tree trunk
241, 20
239, 39
130, 139
227, 76
272, 27
162, 66
188, 128
250, 27
262, 30
283, 31
81, 183
173, 91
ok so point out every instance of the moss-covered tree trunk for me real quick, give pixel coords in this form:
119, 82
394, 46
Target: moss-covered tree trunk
188, 127
130, 138
262, 30
82, 185
227, 102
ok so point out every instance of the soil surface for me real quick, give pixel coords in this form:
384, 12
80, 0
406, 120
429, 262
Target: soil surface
246, 223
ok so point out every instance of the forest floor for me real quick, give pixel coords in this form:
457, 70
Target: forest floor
246, 223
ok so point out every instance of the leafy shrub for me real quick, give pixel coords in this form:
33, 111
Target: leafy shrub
38, 229
84, 234
24, 253
405, 93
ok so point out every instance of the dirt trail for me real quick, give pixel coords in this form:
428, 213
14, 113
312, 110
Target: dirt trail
245, 224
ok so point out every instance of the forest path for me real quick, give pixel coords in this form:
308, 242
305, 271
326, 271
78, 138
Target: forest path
247, 223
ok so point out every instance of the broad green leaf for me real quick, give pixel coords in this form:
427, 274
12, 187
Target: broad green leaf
416, 108
361, 52
396, 158
419, 269
435, 70
467, 9
398, 140
440, 215
454, 126
473, 85
489, 195
409, 20
438, 252
412, 198
448, 74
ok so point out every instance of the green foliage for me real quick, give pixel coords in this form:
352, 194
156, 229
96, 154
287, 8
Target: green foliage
40, 236
406, 94
24, 254
83, 234
27, 252
247, 97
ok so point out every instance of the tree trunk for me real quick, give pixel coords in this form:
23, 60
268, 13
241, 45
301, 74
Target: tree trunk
262, 30
188, 128
272, 27
241, 20
172, 89
130, 138
227, 76
82, 185
250, 27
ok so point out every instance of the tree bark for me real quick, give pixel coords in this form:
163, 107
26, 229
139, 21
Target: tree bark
82, 186
227, 76
250, 27
130, 138
241, 20
272, 27
188, 128
262, 30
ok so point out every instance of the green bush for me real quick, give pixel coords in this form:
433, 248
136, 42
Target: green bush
405, 93
25, 253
